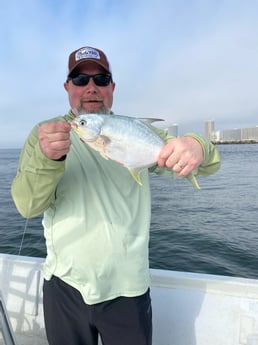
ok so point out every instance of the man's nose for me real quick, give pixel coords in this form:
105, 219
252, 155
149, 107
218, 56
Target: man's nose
91, 86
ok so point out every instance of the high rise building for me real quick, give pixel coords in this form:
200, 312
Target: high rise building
173, 130
209, 129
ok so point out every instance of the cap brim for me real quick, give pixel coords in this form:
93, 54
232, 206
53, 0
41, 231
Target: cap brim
84, 62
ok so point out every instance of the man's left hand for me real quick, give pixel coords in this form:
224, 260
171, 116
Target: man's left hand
182, 155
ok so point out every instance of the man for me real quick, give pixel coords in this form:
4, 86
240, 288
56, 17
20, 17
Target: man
96, 218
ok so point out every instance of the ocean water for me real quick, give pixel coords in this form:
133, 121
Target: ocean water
213, 230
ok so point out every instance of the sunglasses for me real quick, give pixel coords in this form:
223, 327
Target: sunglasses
83, 79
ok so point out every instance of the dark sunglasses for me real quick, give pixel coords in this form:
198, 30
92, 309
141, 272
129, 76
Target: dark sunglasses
83, 79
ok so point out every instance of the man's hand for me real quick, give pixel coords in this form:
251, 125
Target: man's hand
182, 155
54, 139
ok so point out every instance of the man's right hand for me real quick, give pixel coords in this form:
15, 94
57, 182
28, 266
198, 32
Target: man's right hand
54, 139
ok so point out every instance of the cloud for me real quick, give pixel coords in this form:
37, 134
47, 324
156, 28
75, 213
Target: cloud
185, 61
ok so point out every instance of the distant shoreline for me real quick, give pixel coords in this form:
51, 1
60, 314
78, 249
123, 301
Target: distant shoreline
221, 142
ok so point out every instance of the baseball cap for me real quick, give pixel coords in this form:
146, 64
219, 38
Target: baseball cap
85, 54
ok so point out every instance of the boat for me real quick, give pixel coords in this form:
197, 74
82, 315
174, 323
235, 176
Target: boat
188, 308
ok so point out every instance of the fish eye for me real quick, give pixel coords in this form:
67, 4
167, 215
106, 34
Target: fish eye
83, 122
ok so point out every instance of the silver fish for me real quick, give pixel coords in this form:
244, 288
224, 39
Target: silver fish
130, 141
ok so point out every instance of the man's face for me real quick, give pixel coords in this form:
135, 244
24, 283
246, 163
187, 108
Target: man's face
90, 98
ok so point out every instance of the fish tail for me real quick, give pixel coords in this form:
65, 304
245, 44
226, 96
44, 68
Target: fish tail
135, 176
191, 178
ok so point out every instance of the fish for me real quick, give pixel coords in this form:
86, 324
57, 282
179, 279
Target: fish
130, 141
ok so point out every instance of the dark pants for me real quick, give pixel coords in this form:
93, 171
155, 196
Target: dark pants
69, 321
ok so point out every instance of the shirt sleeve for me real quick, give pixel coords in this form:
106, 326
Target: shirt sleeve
34, 186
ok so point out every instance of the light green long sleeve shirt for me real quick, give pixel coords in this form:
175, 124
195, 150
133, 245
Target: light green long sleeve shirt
96, 217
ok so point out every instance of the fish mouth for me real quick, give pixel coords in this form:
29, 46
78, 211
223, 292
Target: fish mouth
76, 128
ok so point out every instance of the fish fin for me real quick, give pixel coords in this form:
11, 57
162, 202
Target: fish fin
191, 178
150, 119
135, 175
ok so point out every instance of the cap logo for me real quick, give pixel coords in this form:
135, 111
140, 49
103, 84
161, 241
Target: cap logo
87, 53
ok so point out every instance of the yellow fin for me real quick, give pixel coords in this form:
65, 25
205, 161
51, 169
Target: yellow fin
191, 178
135, 175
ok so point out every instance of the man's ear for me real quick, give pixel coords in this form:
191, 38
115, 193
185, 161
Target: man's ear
66, 86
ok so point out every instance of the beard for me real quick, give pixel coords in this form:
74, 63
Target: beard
102, 109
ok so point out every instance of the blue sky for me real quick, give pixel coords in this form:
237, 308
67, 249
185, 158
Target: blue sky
183, 61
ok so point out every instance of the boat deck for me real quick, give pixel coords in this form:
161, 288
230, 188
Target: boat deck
188, 308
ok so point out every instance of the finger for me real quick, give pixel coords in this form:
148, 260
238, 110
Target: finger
55, 149
63, 126
54, 137
58, 136
178, 168
54, 131
53, 127
59, 144
165, 153
181, 166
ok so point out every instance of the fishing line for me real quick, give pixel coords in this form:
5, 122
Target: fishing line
30, 208
23, 235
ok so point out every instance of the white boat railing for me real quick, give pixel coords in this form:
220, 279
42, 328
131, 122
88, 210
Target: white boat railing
188, 308
5, 325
